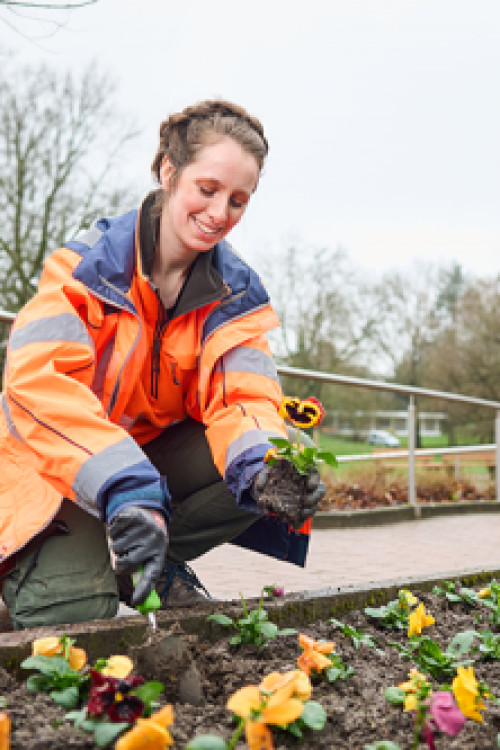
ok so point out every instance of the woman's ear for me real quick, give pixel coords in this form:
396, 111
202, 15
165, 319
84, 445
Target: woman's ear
166, 172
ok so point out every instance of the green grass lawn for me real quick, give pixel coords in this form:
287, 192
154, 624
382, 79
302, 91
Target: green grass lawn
351, 470
343, 447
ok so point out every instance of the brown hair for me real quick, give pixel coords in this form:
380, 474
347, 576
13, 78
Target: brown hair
182, 135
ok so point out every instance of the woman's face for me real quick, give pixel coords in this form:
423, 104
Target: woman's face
210, 197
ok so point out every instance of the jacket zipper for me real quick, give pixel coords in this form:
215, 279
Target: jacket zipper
159, 332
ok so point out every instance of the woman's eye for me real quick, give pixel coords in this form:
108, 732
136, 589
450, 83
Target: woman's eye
238, 203
206, 191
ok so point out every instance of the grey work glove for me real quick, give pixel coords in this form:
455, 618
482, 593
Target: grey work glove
281, 491
139, 539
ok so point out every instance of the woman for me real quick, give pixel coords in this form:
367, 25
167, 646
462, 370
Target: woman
140, 391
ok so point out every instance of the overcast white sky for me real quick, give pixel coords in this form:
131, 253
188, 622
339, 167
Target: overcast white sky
383, 115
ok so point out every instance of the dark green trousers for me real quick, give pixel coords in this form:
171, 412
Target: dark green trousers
64, 575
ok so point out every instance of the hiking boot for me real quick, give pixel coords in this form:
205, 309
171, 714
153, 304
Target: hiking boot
179, 586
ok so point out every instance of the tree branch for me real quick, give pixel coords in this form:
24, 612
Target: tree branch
48, 6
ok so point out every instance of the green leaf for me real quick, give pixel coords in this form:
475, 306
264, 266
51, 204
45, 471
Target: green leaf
375, 611
107, 731
148, 692
220, 619
382, 745
395, 695
39, 683
245, 621
334, 673
280, 442
314, 715
77, 717
88, 724
295, 730
327, 457
461, 643
268, 629
235, 640
206, 742
287, 631
49, 665
67, 698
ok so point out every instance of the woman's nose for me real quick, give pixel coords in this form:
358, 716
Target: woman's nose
218, 209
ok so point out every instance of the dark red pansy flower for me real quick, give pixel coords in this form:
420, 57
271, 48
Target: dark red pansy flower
111, 696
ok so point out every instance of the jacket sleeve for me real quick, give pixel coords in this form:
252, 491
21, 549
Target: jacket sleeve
242, 413
51, 407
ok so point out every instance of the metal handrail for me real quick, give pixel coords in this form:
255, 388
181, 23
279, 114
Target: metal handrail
456, 450
382, 385
411, 392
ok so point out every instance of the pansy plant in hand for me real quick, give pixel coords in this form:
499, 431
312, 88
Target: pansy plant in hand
303, 414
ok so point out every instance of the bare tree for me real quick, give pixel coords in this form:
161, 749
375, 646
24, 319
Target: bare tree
326, 313
37, 20
60, 137
46, 6
465, 357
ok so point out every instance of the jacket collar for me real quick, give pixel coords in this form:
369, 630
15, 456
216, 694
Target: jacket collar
204, 284
112, 247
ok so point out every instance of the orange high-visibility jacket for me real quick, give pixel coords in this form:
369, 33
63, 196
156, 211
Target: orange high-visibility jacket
97, 367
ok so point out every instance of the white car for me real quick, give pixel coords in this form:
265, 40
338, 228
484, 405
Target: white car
383, 437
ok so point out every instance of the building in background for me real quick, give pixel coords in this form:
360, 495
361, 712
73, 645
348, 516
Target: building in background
360, 423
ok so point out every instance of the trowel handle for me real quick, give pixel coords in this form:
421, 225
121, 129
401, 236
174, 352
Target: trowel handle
152, 603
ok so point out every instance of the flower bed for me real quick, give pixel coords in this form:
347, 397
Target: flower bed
357, 708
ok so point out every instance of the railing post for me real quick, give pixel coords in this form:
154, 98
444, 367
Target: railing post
412, 477
497, 454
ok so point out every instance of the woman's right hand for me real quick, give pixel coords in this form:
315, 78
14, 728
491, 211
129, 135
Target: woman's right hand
139, 539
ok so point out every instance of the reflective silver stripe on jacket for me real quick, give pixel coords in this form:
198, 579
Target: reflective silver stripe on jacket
8, 418
92, 474
248, 440
247, 359
64, 327
90, 236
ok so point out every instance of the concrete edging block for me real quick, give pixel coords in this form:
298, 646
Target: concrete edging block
378, 516
101, 638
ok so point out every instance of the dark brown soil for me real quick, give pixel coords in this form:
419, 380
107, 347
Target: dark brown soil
284, 493
383, 492
356, 708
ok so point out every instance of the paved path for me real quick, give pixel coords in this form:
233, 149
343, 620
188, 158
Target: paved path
341, 557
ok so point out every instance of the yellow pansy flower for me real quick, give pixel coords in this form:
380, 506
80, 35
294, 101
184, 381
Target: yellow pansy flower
149, 733
279, 699
406, 599
410, 703
52, 646
466, 691
117, 666
300, 682
419, 619
306, 413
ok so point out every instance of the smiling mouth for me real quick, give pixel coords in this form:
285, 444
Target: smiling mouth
206, 229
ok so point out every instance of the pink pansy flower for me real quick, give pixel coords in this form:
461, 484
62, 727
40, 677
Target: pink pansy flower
445, 716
